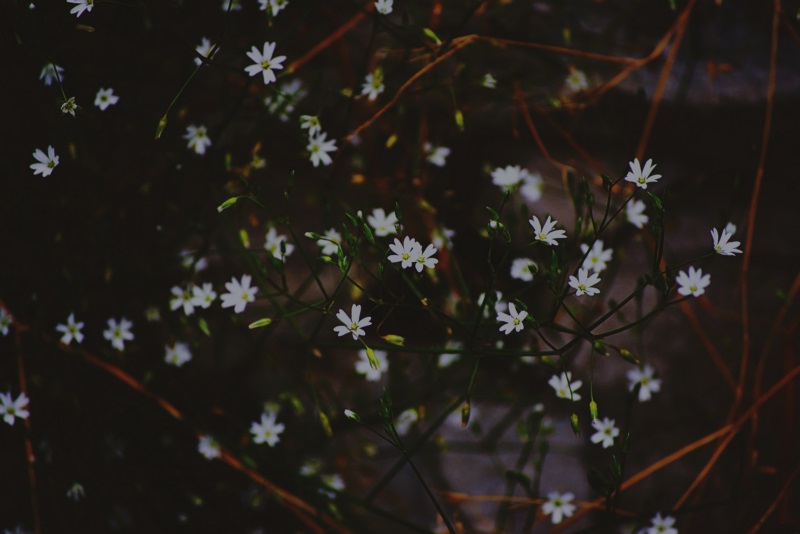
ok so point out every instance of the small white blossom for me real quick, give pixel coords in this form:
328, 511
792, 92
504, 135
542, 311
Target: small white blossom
532, 186
198, 138
80, 7
353, 416
312, 124
447, 359
384, 7
202, 297
489, 81
76, 492
182, 298
45, 163
561, 384
71, 330
204, 49
5, 321
576, 81
404, 421
662, 525
105, 98
330, 243
405, 253
363, 367
282, 101
583, 283
508, 176
264, 63
436, 155
208, 447
639, 176
118, 333
521, 269
318, 148
499, 305
721, 244
382, 223
11, 409
442, 237
635, 214
546, 233
558, 505
177, 354
239, 293
69, 106
268, 430
272, 244
353, 324
730, 228
513, 320
598, 258
373, 84
424, 258
273, 6
605, 432
646, 377
51, 72
694, 283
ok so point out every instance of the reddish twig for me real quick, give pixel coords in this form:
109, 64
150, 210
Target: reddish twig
337, 34
29, 456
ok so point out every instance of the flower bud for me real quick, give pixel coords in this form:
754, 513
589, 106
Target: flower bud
573, 420
353, 416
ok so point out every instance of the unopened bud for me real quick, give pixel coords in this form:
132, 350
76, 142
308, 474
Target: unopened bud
353, 416
573, 420
593, 410
395, 339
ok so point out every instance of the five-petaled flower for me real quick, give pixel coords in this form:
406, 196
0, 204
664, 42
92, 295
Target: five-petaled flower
177, 354
182, 297
202, 297
105, 98
598, 257
424, 258
71, 330
646, 378
514, 320
277, 245
405, 253
546, 234
384, 7
508, 176
239, 293
635, 214
198, 138
118, 332
329, 243
565, 387
45, 163
583, 283
722, 245
312, 124
268, 430
51, 72
521, 269
694, 283
353, 323
435, 155
363, 366
80, 7
318, 149
559, 506
208, 447
69, 106
382, 223
11, 409
605, 432
639, 176
662, 525
532, 186
204, 49
264, 62
373, 84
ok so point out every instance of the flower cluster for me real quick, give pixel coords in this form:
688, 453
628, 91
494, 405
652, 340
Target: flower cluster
410, 253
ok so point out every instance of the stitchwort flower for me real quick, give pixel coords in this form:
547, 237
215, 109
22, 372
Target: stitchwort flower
722, 245
565, 387
382, 223
118, 332
384, 7
198, 138
204, 49
105, 98
405, 253
598, 257
353, 323
435, 155
546, 234
635, 214
661, 525
583, 283
264, 63
71, 330
202, 297
508, 176
513, 320
80, 7
373, 84
559, 506
51, 72
694, 283
208, 447
521, 269
268, 430
177, 354
239, 293
424, 258
646, 377
273, 243
605, 432
641, 176
330, 242
318, 149
363, 366
311, 123
182, 298
45, 163
10, 409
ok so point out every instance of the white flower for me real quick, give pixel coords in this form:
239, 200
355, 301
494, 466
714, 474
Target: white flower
71, 330
405, 253
318, 147
521, 269
353, 324
641, 177
404, 421
694, 283
436, 155
730, 228
69, 106
513, 320
598, 257
202, 297
424, 258
384, 7
334, 483
282, 101
382, 223
532, 185
448, 358
662, 525
208, 447
721, 244
45, 162
268, 430
80, 6
76, 491
373, 84
583, 284
508, 176
363, 366
118, 333
441, 237
545, 233
264, 62
329, 243
10, 409
198, 138
51, 72
182, 298
576, 81
311, 466
634, 212
204, 49
275, 6
105, 98
5, 321
646, 377
489, 81
273, 245
239, 293
605, 432
353, 416
559, 506
499, 304
311, 123
561, 383
177, 354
